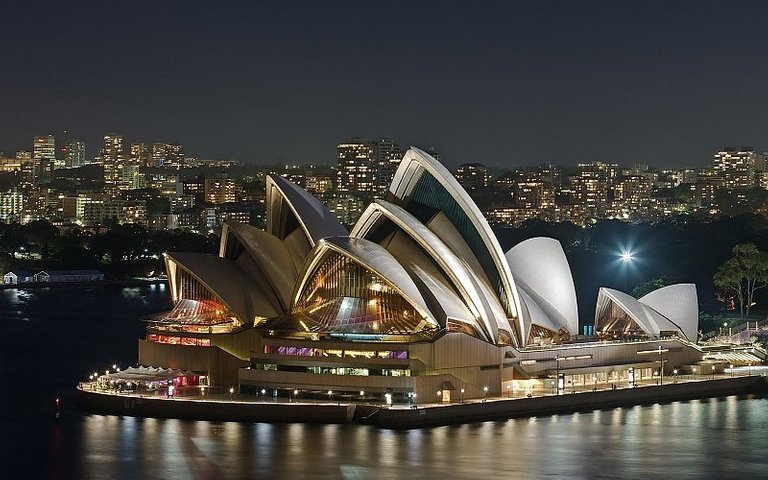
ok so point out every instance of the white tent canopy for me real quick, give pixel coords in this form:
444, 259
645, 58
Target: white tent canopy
148, 374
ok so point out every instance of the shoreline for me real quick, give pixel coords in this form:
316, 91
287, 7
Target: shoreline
422, 416
128, 282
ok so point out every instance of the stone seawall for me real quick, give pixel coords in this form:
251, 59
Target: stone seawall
213, 410
423, 416
568, 403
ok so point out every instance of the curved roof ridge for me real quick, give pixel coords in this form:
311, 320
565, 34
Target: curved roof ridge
490, 316
270, 255
540, 267
404, 181
315, 219
536, 315
678, 303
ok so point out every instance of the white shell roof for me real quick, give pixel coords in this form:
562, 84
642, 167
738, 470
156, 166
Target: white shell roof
374, 257
542, 271
315, 218
678, 303
649, 319
536, 316
487, 309
406, 177
451, 305
270, 254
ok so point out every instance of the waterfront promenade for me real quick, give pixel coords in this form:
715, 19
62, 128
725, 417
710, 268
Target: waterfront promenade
225, 406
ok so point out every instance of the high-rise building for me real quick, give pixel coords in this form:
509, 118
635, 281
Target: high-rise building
591, 185
551, 174
534, 194
632, 196
220, 189
169, 155
367, 165
174, 156
318, 184
73, 153
113, 147
735, 168
159, 153
139, 154
387, 155
11, 205
473, 176
44, 154
131, 178
356, 167
112, 158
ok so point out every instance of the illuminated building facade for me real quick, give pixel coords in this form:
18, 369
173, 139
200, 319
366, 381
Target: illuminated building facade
473, 176
220, 189
418, 298
735, 168
356, 167
44, 158
73, 153
113, 160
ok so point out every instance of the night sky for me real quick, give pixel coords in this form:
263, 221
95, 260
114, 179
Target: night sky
506, 84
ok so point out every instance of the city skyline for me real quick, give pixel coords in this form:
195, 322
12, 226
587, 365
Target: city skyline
500, 84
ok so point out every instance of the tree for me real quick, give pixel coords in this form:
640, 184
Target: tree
743, 274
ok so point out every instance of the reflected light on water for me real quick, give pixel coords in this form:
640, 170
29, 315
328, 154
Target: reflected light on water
687, 440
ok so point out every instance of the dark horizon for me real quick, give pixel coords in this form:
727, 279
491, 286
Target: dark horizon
502, 84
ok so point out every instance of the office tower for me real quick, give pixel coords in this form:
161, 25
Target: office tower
367, 166
174, 156
44, 155
73, 153
387, 156
632, 195
11, 205
591, 185
356, 167
472, 176
220, 189
169, 155
112, 158
735, 168
159, 153
139, 154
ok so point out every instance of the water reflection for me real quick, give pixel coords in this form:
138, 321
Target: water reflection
72, 333
639, 442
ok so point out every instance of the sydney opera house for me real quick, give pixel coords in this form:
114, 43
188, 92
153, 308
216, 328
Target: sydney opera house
417, 300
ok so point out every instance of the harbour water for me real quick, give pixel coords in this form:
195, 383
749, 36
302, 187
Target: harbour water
53, 338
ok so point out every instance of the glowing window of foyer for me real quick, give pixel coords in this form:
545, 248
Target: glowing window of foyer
344, 296
174, 340
198, 305
320, 352
614, 322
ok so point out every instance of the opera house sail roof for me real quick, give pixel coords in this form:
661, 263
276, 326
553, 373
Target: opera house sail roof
671, 310
423, 262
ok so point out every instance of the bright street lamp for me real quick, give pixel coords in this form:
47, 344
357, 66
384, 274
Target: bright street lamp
626, 260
